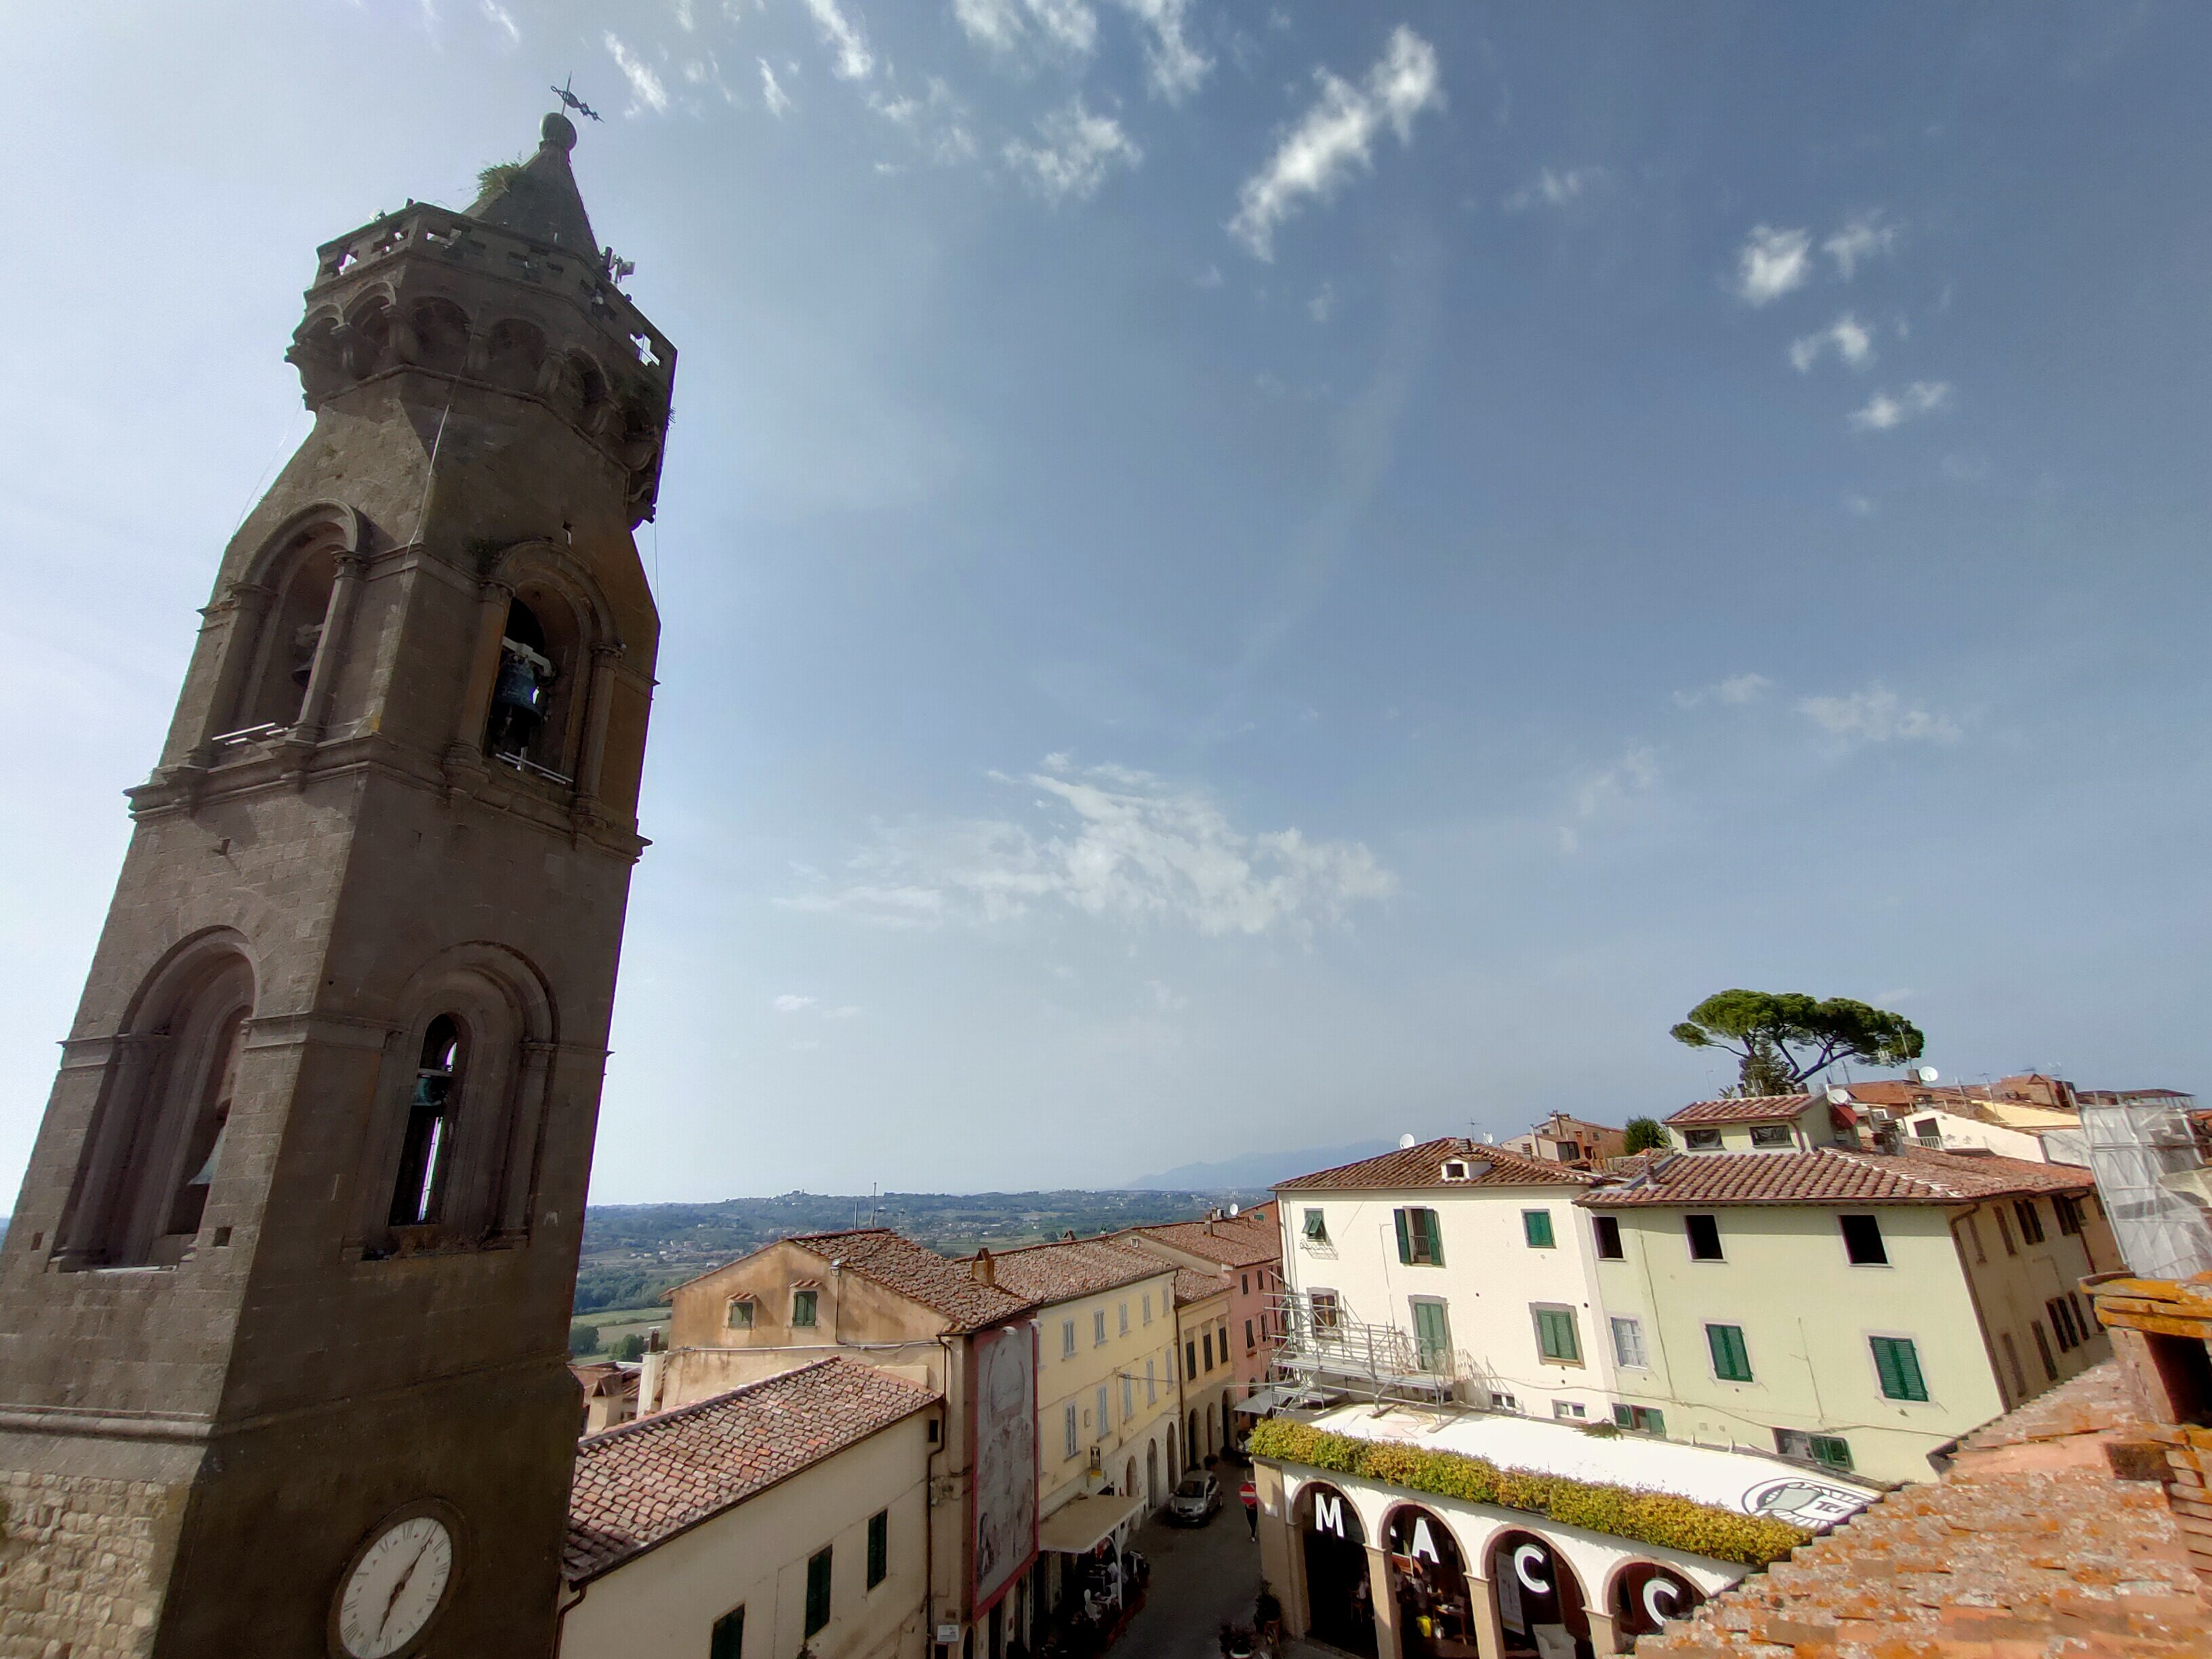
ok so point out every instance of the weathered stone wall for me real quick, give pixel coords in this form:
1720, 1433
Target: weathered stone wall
83, 1565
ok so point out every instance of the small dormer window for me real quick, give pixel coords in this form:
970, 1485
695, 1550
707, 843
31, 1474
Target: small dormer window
741, 1313
1455, 1169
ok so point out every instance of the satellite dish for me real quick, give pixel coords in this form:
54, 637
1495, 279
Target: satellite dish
1233, 1212
1925, 1073
1839, 1096
1407, 1141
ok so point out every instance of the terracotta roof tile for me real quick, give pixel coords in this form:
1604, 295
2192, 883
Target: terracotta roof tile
1192, 1286
1057, 1272
939, 1282
2030, 1548
1833, 1174
643, 1483
1751, 1108
1233, 1240
1423, 1166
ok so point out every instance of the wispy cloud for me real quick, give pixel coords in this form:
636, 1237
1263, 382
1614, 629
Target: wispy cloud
1556, 187
1323, 302
1058, 28
1771, 263
500, 17
1074, 152
1107, 841
1173, 68
936, 120
772, 93
646, 91
790, 1004
1863, 237
846, 37
1847, 337
1883, 411
1336, 138
1633, 774
1877, 714
1732, 692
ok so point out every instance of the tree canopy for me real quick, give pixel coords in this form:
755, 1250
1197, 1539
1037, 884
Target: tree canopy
1780, 1038
1644, 1134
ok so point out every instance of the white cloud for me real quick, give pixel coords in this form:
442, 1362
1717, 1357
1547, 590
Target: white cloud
500, 17
1336, 138
1067, 29
1078, 150
847, 36
1323, 302
1883, 411
1732, 692
1174, 69
1553, 187
1113, 843
1877, 714
1633, 774
1863, 238
1771, 263
1849, 338
646, 89
1858, 506
937, 121
788, 1004
772, 93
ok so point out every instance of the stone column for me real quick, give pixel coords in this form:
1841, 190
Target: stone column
598, 707
1384, 1597
519, 1172
1603, 1638
1489, 1628
329, 650
466, 749
249, 604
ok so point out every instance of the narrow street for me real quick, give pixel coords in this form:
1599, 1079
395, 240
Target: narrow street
1202, 1578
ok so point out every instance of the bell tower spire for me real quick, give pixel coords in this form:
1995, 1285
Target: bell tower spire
283, 1307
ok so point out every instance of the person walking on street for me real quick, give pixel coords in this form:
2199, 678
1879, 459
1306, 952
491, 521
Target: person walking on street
1250, 1493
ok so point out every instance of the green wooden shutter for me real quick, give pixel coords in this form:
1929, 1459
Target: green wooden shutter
1536, 1228
817, 1591
1731, 1360
1405, 1240
1435, 1226
729, 1641
1898, 1363
1431, 1336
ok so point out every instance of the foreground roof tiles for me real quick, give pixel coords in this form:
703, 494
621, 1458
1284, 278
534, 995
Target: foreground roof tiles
1233, 1240
643, 1483
1056, 1272
1193, 1286
1832, 1174
1423, 1166
1750, 1108
2034, 1546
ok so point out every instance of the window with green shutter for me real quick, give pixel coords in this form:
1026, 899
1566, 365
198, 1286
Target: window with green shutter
1420, 1239
1536, 1228
1557, 1338
1316, 1226
729, 1641
817, 1591
1897, 1364
1731, 1358
879, 1547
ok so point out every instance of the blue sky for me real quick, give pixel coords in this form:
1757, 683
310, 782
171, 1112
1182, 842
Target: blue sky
1230, 578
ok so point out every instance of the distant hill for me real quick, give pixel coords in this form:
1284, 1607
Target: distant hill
1257, 1169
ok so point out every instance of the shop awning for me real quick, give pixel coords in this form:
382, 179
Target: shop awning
1081, 1524
1262, 1402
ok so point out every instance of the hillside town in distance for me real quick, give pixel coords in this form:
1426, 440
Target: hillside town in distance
1545, 1397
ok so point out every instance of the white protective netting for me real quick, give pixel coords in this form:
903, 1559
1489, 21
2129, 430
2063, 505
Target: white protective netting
2162, 1234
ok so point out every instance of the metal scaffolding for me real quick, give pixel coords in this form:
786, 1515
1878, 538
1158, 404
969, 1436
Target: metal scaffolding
2134, 1147
1325, 1349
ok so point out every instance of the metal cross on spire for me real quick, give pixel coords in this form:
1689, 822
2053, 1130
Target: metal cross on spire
569, 100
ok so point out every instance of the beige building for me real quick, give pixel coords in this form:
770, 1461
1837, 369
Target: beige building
1238, 1259
609, 1393
1561, 1138
1106, 1390
1856, 1308
793, 1511
872, 1295
1208, 1379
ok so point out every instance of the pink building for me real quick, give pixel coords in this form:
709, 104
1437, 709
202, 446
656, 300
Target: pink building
1243, 1254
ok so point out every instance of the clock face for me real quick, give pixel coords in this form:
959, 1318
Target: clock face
395, 1587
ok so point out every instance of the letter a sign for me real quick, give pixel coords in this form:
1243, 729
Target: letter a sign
1423, 1544
1329, 1513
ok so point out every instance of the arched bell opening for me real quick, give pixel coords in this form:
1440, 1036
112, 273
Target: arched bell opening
1430, 1585
291, 635
1340, 1597
539, 687
1539, 1599
426, 1150
442, 336
514, 352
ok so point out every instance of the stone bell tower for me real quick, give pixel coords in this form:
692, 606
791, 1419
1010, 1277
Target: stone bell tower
284, 1303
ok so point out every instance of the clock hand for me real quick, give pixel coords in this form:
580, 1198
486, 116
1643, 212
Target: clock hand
399, 1588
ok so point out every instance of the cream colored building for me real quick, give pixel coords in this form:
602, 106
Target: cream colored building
1860, 1310
792, 1510
1106, 1391
1208, 1377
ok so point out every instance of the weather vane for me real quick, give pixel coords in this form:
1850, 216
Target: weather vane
570, 100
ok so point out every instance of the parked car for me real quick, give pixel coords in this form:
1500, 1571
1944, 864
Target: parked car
1196, 1502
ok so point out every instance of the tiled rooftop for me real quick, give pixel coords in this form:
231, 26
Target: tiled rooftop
2032, 1548
1057, 1272
898, 1263
1751, 1108
1233, 1240
1191, 1286
1423, 1166
1832, 1174
643, 1483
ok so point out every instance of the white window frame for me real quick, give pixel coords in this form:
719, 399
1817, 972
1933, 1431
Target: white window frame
1098, 1328
1068, 1339
1124, 1321
1074, 1438
1634, 1326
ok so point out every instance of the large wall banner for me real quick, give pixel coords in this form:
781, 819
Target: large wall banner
1002, 1430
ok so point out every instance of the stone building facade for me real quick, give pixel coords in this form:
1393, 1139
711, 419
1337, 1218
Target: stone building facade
283, 1307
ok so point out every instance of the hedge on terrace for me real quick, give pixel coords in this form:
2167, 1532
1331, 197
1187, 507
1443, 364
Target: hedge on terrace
1650, 1517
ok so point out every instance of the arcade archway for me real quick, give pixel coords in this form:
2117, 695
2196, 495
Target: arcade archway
1647, 1598
1340, 1604
1429, 1582
1540, 1612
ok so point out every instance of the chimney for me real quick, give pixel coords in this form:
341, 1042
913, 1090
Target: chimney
1068, 1237
983, 1269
